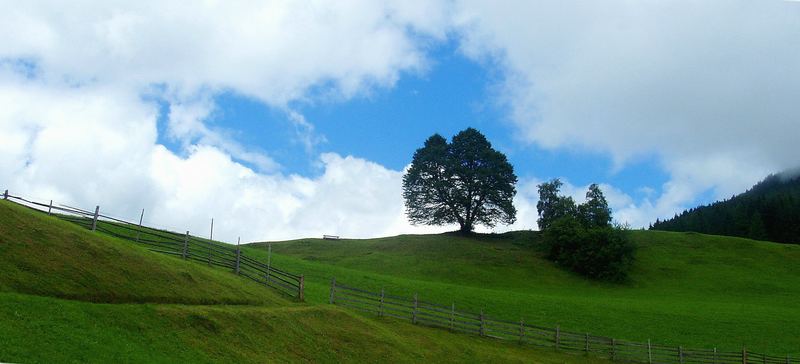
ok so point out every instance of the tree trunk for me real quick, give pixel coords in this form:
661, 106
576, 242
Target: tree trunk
466, 228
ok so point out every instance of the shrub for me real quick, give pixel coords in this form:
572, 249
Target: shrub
603, 253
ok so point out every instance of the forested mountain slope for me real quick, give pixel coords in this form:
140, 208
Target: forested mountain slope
770, 210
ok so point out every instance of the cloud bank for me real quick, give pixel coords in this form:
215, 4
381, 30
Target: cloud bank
708, 88
78, 90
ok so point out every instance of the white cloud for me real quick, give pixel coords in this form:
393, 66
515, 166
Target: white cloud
186, 125
304, 131
709, 87
275, 51
75, 80
352, 198
70, 152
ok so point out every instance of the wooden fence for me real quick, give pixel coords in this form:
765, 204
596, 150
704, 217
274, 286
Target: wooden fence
431, 314
185, 246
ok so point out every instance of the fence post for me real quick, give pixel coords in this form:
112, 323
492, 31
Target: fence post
139, 231
94, 220
210, 241
50, 208
558, 336
452, 316
613, 349
744, 355
269, 262
787, 359
680, 354
521, 330
185, 245
380, 309
302, 288
587, 343
715, 355
238, 253
332, 300
650, 352
482, 330
416, 307
5, 195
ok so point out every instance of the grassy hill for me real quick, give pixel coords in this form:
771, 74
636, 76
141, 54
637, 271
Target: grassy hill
686, 289
70, 295
45, 256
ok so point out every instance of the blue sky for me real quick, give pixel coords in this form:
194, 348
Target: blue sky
387, 125
293, 119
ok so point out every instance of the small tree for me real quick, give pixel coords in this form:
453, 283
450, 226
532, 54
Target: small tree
595, 211
551, 206
465, 182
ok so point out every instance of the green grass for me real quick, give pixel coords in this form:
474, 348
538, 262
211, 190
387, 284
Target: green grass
686, 289
70, 295
46, 330
42, 255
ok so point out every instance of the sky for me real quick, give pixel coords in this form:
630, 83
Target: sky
290, 119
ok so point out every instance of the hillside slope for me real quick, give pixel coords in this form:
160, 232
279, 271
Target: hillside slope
685, 289
70, 295
770, 210
45, 256
45, 330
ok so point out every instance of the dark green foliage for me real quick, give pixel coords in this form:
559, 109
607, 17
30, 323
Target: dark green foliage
551, 206
595, 211
426, 186
580, 238
768, 211
603, 253
562, 238
465, 182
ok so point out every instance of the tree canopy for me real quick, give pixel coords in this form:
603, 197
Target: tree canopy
595, 211
551, 206
465, 181
581, 238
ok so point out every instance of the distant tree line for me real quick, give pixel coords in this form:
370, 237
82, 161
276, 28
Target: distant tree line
770, 210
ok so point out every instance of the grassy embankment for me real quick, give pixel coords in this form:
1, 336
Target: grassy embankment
69, 295
686, 289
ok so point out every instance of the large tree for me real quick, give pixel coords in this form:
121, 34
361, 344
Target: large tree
465, 181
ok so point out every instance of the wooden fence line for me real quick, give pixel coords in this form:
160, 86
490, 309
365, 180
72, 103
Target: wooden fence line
446, 317
185, 246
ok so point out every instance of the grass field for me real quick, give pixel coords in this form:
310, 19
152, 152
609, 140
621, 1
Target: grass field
46, 330
685, 289
70, 295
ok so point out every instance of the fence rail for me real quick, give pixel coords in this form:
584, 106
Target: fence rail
185, 246
446, 317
